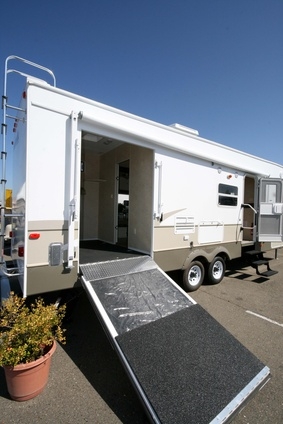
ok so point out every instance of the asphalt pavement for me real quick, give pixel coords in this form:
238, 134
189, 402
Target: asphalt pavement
87, 383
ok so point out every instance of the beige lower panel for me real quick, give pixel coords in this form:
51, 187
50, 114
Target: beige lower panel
38, 250
44, 279
169, 260
166, 239
48, 225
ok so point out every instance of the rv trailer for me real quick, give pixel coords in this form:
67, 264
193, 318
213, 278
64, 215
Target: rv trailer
86, 172
114, 201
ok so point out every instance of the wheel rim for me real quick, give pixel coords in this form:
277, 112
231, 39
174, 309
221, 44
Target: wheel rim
195, 275
217, 270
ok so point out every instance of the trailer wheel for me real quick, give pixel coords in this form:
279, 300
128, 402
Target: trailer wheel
193, 276
216, 270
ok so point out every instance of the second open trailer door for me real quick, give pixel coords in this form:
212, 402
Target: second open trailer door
185, 367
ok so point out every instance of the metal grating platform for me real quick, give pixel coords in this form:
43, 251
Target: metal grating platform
101, 270
135, 299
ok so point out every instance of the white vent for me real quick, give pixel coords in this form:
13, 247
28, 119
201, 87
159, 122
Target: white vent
185, 129
184, 224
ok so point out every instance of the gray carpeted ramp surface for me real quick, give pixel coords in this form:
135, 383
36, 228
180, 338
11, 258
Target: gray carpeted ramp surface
185, 366
188, 365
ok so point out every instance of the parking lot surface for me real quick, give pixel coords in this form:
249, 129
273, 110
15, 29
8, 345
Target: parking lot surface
87, 383
250, 307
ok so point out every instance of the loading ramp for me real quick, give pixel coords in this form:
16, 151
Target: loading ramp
183, 364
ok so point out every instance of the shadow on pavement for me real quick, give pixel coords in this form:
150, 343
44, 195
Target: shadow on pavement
89, 348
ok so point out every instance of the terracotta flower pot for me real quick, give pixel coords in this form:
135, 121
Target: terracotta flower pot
25, 381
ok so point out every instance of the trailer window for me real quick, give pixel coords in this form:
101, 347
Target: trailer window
227, 195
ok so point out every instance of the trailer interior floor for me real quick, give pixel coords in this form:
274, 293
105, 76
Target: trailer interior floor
92, 251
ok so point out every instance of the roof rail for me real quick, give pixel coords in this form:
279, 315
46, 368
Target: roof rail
27, 62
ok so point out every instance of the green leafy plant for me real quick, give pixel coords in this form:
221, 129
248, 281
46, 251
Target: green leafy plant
28, 332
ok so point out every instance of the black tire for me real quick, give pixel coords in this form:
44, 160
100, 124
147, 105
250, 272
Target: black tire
216, 270
193, 276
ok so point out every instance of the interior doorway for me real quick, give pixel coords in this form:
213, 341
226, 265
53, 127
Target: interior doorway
123, 201
249, 214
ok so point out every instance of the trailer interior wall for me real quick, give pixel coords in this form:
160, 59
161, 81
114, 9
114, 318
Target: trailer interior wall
99, 188
90, 186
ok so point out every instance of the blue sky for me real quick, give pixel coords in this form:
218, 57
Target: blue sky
212, 65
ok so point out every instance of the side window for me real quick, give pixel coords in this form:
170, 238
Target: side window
271, 192
227, 195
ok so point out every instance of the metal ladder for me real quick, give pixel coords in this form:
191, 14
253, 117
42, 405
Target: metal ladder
8, 107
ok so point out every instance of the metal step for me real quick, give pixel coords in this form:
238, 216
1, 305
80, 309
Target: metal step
266, 273
254, 253
256, 259
106, 269
260, 262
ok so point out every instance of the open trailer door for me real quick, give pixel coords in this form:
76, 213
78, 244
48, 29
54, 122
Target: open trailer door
270, 217
185, 367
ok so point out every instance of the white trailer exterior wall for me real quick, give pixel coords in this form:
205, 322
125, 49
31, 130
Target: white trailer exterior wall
191, 212
174, 185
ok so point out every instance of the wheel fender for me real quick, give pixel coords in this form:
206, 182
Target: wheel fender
206, 257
